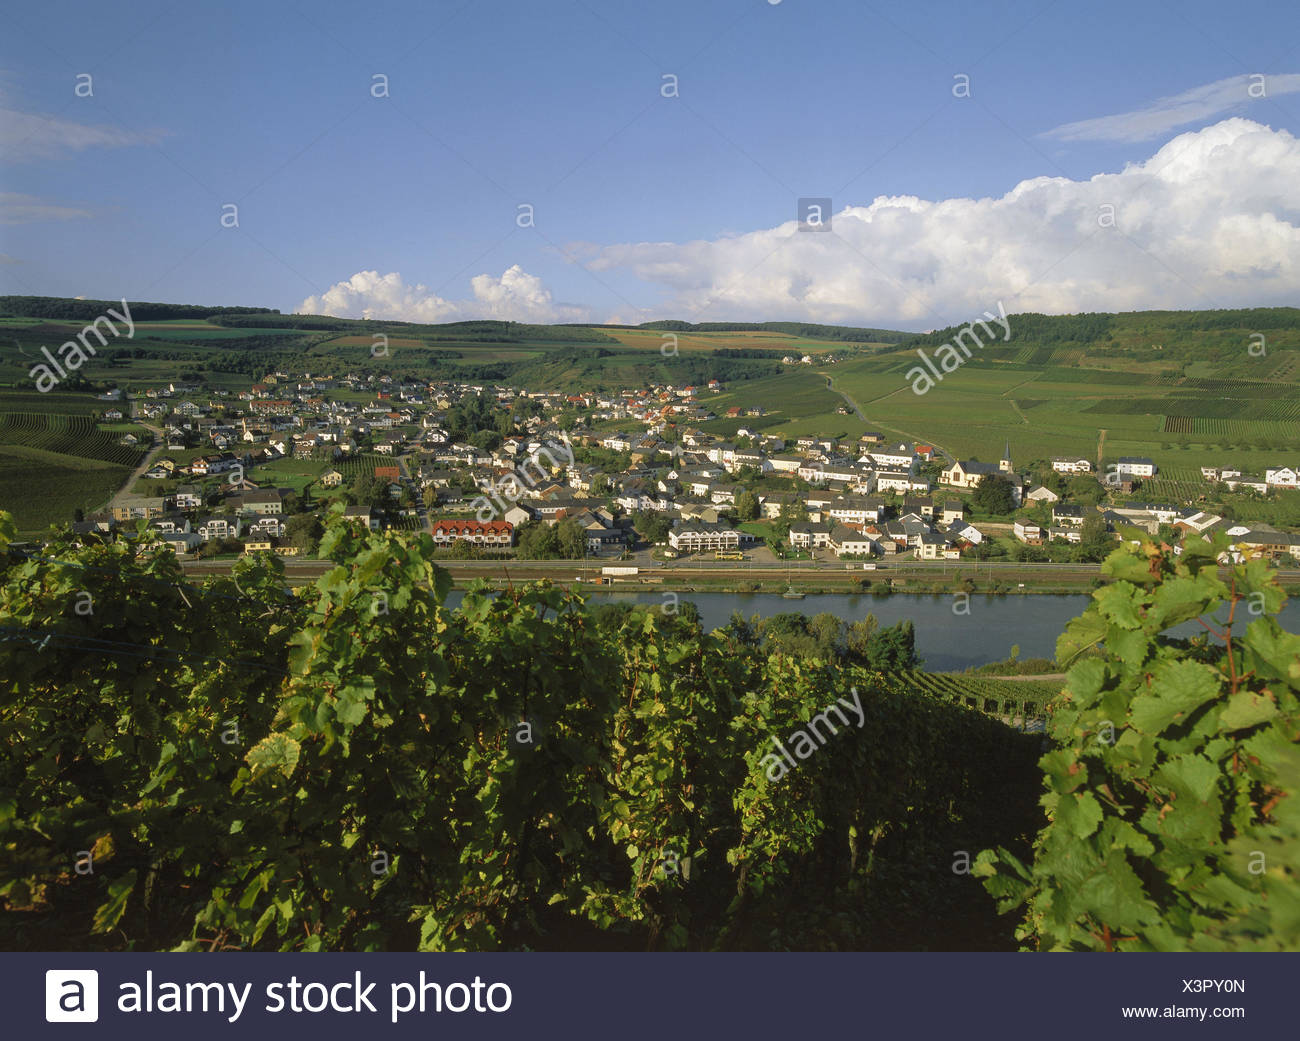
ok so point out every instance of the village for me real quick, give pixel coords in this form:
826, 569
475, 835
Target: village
500, 471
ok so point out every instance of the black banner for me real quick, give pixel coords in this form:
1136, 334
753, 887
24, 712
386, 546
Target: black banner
650, 996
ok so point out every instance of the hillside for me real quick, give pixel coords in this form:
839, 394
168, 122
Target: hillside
1187, 388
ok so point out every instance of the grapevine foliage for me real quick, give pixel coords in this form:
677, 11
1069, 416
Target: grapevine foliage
355, 766
1173, 823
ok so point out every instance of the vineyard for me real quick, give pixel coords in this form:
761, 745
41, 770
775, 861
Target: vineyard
361, 465
1177, 484
54, 463
1014, 700
65, 434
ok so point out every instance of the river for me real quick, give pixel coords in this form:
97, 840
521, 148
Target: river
945, 639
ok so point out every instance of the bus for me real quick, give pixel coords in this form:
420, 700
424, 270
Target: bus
728, 554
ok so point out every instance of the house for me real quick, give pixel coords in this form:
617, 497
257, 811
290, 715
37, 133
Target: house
139, 509
213, 464
266, 502
330, 479
113, 414
851, 542
365, 514
1197, 521
930, 546
895, 457
1065, 535
1066, 514
921, 505
809, 535
517, 515
899, 481
212, 528
479, 533
1251, 482
1042, 494
1131, 466
188, 497
854, 509
690, 511
951, 513
967, 473
962, 530
598, 533
1272, 544
1282, 477
1070, 465
1027, 531
171, 525
267, 527
181, 542
696, 535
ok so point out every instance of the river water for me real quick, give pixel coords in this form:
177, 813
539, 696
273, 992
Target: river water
946, 638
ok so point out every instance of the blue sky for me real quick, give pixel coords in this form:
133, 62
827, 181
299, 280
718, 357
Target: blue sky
644, 205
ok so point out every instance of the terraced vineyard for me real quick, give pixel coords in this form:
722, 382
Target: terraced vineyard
1022, 701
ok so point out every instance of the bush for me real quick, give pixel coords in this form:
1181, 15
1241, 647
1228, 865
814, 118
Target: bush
1170, 787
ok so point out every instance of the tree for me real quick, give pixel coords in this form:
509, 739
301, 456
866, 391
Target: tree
793, 512
746, 505
828, 630
1085, 489
1095, 538
994, 495
304, 530
571, 539
858, 637
653, 527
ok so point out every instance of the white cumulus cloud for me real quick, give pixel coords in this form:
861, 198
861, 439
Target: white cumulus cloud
515, 296
1212, 219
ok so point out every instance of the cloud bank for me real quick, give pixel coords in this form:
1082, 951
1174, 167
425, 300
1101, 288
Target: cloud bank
516, 296
1210, 220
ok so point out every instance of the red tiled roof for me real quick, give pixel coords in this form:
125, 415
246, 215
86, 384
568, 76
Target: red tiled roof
473, 527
